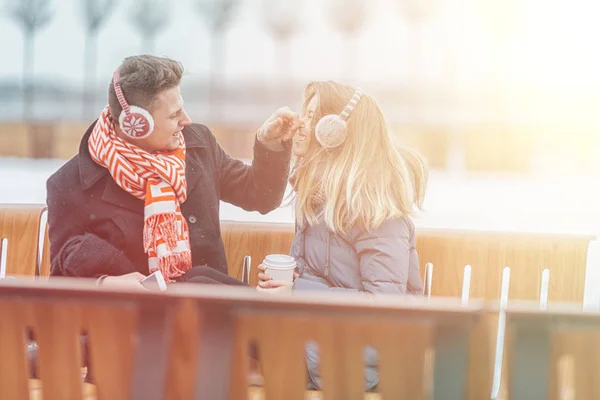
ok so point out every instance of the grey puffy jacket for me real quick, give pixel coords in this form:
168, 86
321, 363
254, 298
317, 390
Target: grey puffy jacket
383, 261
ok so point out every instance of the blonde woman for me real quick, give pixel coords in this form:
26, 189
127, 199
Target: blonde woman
354, 192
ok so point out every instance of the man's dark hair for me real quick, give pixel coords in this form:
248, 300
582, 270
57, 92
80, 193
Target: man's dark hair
142, 78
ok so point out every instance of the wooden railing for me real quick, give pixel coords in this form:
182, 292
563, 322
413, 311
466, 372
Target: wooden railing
130, 342
131, 345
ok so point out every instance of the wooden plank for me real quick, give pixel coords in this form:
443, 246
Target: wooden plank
587, 359
216, 338
110, 332
281, 342
350, 345
13, 363
482, 346
489, 252
401, 349
57, 330
245, 334
566, 259
341, 344
236, 297
562, 364
183, 348
20, 224
153, 337
324, 336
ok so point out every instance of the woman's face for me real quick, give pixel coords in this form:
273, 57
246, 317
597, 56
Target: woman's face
305, 134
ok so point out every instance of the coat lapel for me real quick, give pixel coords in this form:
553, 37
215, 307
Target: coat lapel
115, 195
195, 145
193, 170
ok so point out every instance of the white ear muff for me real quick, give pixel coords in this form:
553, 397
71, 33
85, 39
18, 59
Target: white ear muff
331, 130
137, 124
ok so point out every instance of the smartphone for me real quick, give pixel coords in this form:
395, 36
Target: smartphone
155, 281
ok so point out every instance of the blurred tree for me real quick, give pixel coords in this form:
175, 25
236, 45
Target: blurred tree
348, 17
31, 16
150, 17
95, 15
505, 21
283, 21
218, 15
417, 13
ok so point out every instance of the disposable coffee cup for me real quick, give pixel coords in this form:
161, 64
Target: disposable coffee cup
280, 267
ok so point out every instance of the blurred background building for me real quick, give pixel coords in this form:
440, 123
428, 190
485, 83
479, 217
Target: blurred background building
501, 97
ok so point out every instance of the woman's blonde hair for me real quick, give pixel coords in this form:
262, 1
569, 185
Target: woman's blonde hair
367, 180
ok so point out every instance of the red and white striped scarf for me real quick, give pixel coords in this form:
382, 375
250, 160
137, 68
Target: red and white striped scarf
159, 180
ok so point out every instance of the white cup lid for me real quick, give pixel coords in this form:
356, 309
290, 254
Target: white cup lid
279, 261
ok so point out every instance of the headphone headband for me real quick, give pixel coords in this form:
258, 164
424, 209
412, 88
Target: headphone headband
134, 121
332, 129
119, 92
351, 104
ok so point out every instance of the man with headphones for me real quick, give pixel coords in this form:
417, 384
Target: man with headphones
142, 194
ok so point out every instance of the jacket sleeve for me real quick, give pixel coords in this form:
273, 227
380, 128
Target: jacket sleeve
74, 251
387, 256
257, 187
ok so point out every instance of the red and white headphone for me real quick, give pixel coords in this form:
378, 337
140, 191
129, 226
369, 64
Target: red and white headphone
134, 121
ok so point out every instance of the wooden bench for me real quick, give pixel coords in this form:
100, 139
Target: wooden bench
449, 251
129, 336
20, 226
565, 256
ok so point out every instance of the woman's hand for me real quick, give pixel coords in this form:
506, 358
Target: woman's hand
267, 284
